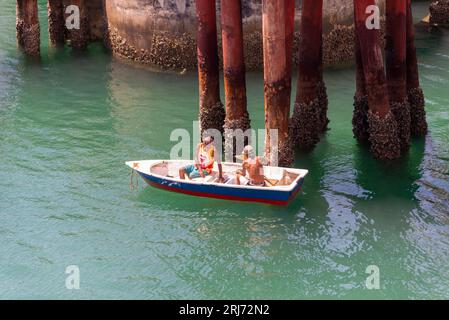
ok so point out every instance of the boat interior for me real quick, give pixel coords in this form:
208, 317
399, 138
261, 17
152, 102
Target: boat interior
274, 176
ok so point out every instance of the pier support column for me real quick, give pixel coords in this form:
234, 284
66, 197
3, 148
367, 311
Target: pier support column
415, 94
289, 35
309, 117
277, 84
56, 22
27, 27
397, 68
360, 115
79, 36
212, 113
322, 90
439, 12
322, 99
382, 126
237, 116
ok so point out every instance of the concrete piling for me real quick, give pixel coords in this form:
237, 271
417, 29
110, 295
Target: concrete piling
277, 80
397, 69
237, 116
56, 22
27, 27
212, 113
439, 12
382, 125
309, 118
414, 91
360, 115
289, 34
78, 35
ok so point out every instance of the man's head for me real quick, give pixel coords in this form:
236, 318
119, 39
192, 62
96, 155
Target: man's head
248, 152
208, 139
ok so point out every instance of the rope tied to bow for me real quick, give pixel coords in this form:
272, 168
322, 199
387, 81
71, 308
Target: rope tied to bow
133, 186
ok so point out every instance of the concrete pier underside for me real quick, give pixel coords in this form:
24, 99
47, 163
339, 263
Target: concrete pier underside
162, 33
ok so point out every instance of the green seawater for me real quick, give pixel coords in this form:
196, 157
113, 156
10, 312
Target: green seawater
68, 123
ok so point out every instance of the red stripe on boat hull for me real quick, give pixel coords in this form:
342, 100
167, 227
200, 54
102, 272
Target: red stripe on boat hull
218, 196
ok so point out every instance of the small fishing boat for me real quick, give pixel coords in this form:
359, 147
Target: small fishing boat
282, 184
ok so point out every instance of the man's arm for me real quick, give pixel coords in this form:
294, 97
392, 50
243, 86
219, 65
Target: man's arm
244, 169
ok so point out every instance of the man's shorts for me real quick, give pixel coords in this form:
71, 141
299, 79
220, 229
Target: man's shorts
192, 171
243, 181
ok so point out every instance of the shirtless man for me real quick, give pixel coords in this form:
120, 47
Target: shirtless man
253, 166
